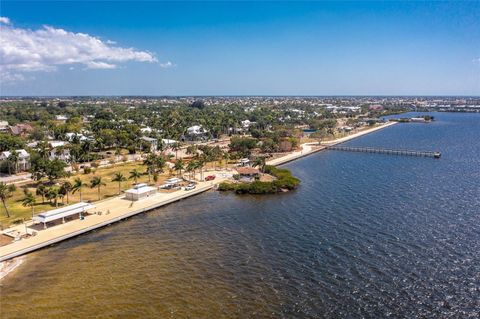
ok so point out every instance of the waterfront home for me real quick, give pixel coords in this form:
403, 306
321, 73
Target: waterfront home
140, 191
22, 163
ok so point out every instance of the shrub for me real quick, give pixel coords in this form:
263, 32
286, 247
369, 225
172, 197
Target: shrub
87, 170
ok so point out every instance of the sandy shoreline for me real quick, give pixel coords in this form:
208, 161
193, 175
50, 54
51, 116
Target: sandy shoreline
11, 256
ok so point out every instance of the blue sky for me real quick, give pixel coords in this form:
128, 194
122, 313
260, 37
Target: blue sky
240, 48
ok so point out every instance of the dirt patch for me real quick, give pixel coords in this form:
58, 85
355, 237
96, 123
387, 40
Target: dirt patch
5, 240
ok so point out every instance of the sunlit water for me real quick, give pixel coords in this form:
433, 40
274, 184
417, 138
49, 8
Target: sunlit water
366, 235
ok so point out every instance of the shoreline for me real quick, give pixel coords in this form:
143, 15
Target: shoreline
117, 208
308, 148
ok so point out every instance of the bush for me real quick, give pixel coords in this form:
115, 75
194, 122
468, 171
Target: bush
87, 170
225, 186
285, 180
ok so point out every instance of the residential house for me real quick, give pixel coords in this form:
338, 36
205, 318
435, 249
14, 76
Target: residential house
3, 126
23, 163
59, 151
21, 129
153, 142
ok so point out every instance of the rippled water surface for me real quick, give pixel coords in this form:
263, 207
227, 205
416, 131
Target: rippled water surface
366, 235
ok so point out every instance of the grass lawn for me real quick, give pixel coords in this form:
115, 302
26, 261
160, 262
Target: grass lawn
18, 211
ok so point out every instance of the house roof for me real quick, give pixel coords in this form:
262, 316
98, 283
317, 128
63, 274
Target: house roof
247, 171
21, 153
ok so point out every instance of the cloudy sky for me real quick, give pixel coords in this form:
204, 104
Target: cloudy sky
231, 48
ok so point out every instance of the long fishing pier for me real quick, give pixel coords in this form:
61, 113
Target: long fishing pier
385, 151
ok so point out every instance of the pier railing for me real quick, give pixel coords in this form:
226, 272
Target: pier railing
386, 151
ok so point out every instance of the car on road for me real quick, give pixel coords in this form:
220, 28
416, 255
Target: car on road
190, 187
210, 178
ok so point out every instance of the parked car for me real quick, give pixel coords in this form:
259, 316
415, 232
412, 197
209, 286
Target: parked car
189, 187
210, 178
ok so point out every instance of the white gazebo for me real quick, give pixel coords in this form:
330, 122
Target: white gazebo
61, 213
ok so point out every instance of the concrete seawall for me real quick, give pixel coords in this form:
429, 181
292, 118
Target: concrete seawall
34, 243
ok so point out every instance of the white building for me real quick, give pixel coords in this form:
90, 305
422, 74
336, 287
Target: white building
152, 141
140, 191
23, 163
62, 213
196, 130
3, 126
59, 151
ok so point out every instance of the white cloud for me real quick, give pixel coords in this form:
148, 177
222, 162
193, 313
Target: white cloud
167, 65
100, 65
4, 20
25, 50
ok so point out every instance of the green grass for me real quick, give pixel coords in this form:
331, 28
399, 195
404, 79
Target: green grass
18, 211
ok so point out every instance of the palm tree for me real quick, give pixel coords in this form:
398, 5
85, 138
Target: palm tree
78, 184
150, 162
260, 162
160, 164
52, 195
118, 177
97, 182
66, 188
135, 175
175, 147
29, 200
191, 168
178, 166
5, 193
200, 164
41, 190
13, 158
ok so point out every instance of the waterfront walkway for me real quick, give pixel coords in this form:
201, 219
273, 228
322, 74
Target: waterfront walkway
313, 147
112, 210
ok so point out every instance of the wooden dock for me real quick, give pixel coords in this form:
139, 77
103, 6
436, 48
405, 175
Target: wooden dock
385, 151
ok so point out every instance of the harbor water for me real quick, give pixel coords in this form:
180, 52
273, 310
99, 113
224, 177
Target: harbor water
366, 235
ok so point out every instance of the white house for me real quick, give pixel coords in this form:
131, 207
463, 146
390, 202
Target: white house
152, 141
70, 136
23, 163
59, 151
196, 130
3, 126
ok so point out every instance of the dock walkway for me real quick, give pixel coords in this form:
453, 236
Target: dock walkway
386, 151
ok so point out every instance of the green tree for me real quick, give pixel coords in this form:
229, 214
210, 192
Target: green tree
65, 189
97, 182
178, 167
135, 175
29, 201
6, 192
41, 191
52, 195
119, 178
78, 184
